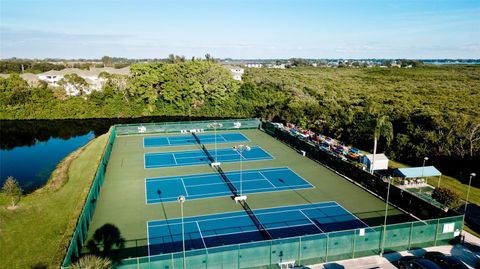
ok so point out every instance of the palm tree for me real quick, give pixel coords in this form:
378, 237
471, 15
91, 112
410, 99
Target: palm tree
92, 262
383, 127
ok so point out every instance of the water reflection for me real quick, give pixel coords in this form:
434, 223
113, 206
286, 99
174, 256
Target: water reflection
31, 149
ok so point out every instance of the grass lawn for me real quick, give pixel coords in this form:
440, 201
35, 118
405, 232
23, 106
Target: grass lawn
37, 233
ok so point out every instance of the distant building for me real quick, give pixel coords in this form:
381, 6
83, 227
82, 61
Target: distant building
277, 66
237, 72
254, 65
91, 76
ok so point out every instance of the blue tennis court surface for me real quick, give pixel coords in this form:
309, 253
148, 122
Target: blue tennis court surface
167, 189
182, 140
195, 157
237, 227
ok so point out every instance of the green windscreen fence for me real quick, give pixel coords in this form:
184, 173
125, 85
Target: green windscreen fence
80, 234
310, 249
186, 126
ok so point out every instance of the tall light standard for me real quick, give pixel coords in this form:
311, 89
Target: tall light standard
215, 125
181, 199
472, 175
240, 149
385, 219
423, 166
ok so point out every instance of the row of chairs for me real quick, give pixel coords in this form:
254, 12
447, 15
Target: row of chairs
413, 181
192, 131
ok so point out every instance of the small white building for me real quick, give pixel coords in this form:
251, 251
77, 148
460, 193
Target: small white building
237, 72
95, 82
381, 161
254, 65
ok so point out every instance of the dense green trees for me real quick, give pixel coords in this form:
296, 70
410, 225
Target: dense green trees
433, 110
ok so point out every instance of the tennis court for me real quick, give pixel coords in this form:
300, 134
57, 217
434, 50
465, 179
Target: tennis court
183, 140
208, 231
167, 189
196, 157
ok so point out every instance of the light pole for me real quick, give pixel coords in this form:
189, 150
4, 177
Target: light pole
215, 125
181, 199
385, 219
423, 166
472, 175
240, 149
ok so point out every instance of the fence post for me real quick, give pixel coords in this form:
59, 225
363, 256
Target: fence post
270, 263
354, 240
299, 250
436, 232
238, 256
326, 249
410, 237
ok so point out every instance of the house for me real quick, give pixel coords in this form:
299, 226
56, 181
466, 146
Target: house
92, 77
237, 72
254, 65
277, 66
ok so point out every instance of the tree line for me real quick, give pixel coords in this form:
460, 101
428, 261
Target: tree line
433, 110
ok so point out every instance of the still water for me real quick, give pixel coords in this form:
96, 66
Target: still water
32, 165
30, 150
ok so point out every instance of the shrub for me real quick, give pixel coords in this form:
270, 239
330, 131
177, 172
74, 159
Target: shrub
92, 262
447, 197
12, 189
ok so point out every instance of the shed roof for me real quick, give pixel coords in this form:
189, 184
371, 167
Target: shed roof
378, 157
427, 171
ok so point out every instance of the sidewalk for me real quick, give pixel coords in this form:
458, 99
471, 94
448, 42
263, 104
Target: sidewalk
468, 252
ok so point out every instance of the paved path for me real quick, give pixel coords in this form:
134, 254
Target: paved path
468, 252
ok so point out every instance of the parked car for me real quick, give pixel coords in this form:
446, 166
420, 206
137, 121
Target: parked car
444, 261
412, 262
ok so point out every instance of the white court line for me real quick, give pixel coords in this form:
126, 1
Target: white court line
201, 236
229, 193
249, 171
267, 179
273, 207
202, 163
168, 140
185, 188
233, 173
241, 216
301, 211
223, 138
253, 230
175, 159
223, 182
366, 226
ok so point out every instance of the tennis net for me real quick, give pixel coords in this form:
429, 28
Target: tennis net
209, 156
234, 191
256, 221
227, 181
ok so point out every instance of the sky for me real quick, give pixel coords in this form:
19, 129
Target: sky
241, 29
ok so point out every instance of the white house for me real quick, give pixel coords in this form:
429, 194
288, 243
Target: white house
95, 82
254, 65
237, 72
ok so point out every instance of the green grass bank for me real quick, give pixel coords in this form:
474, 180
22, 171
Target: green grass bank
37, 233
